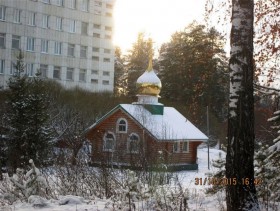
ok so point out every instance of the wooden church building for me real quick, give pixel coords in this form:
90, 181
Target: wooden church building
145, 134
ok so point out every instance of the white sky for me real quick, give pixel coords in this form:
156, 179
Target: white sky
159, 19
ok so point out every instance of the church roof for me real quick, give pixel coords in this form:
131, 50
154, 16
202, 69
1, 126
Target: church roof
171, 125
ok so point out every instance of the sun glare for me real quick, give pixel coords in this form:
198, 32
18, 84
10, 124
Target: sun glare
157, 18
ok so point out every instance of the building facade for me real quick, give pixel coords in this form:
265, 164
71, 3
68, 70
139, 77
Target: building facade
69, 41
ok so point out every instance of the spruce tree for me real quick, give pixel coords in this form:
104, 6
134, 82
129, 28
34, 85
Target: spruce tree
26, 118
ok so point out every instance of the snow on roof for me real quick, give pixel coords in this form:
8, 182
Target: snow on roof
170, 126
148, 77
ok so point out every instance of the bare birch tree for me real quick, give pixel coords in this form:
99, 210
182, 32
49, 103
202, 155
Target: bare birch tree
240, 151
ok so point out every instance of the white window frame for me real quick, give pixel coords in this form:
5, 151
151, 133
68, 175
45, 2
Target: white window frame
2, 13
30, 44
30, 69
84, 28
188, 145
72, 4
72, 26
44, 70
13, 68
45, 21
85, 5
57, 69
82, 75
129, 141
71, 50
16, 38
16, 15
59, 3
176, 143
112, 149
121, 125
57, 48
2, 66
44, 46
70, 74
94, 81
58, 24
31, 18
83, 51
2, 40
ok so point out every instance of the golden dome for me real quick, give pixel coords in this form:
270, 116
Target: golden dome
148, 83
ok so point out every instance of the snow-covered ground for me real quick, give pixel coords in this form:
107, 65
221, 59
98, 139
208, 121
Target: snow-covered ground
198, 200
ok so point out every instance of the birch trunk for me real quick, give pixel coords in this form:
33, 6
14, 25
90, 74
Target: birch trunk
240, 150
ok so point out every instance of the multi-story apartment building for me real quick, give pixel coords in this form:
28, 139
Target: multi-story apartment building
67, 40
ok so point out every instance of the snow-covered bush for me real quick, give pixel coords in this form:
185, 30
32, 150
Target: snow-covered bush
21, 186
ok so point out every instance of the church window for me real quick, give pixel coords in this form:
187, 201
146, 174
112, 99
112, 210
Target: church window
109, 142
122, 125
133, 143
176, 147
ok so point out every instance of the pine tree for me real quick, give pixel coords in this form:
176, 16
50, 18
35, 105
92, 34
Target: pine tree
27, 118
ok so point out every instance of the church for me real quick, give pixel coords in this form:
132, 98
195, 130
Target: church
145, 134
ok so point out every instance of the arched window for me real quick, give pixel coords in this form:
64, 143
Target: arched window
122, 125
133, 143
109, 142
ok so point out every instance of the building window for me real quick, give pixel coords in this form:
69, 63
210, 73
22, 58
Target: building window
97, 12
69, 74
95, 58
106, 73
94, 72
109, 6
46, 1
72, 4
30, 44
108, 14
97, 26
98, 3
71, 49
44, 46
29, 70
58, 23
2, 13
2, 66
105, 82
185, 146
31, 18
44, 70
106, 60
176, 147
85, 5
58, 2
82, 75
16, 16
13, 69
72, 26
122, 125
133, 143
57, 48
108, 28
94, 81
15, 42
95, 49
45, 21
2, 40
108, 37
109, 142
107, 51
96, 35
56, 72
84, 28
83, 52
